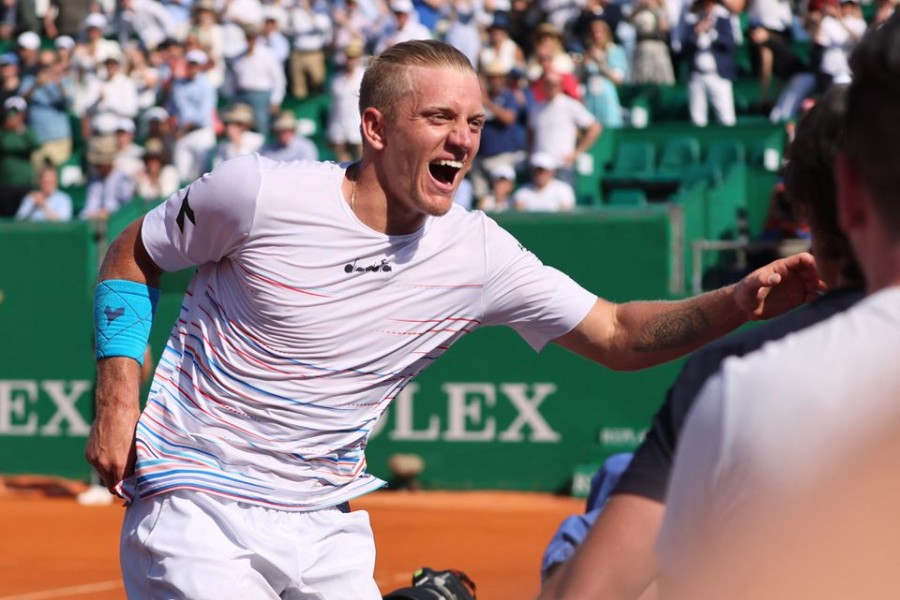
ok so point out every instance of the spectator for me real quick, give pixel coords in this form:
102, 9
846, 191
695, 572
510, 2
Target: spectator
158, 178
47, 203
500, 48
179, 11
145, 20
406, 26
90, 55
10, 82
343, 132
210, 37
146, 78
288, 144
562, 127
651, 62
116, 92
27, 46
66, 17
129, 155
17, 143
834, 35
710, 50
549, 54
50, 96
544, 193
108, 189
273, 37
192, 104
239, 137
611, 12
500, 196
259, 78
794, 76
311, 32
64, 46
462, 30
605, 69
351, 24
503, 136
775, 18
157, 125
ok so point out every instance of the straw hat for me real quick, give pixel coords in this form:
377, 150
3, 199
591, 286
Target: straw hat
239, 113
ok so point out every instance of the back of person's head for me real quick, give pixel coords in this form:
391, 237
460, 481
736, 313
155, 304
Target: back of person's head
873, 118
387, 77
810, 182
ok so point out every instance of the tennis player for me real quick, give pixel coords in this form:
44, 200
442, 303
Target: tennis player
321, 290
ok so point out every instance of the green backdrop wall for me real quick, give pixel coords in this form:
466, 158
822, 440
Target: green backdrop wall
490, 414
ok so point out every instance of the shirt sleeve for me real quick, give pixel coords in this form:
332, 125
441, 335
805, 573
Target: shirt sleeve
207, 220
538, 301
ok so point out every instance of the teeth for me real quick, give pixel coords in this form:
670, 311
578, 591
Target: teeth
450, 163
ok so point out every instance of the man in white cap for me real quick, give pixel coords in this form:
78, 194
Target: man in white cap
288, 144
406, 26
129, 155
191, 105
27, 46
545, 193
259, 78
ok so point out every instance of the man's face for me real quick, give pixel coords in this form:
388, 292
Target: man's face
541, 177
48, 181
429, 146
284, 135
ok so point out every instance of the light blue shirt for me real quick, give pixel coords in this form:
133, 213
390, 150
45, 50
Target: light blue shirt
108, 194
299, 148
58, 203
48, 108
193, 101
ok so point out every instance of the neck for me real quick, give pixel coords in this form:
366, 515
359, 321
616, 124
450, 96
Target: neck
367, 199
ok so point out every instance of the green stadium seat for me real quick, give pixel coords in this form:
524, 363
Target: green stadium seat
633, 160
627, 197
678, 156
722, 154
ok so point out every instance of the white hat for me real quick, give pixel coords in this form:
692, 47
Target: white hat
16, 103
125, 124
542, 160
105, 123
95, 20
29, 40
503, 172
156, 113
196, 56
401, 6
64, 41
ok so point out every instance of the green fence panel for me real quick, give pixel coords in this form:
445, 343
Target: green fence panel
490, 414
46, 369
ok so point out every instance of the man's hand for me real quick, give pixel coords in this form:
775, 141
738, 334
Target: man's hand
110, 448
779, 286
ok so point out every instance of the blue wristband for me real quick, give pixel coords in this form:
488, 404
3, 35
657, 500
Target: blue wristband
123, 315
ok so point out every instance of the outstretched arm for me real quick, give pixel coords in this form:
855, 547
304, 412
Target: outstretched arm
110, 447
637, 335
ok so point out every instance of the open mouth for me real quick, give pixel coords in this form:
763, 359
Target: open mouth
445, 171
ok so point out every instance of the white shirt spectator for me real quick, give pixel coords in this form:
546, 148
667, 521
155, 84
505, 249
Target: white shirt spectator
556, 125
556, 196
259, 71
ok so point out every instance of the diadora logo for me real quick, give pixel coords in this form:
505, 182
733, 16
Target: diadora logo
354, 267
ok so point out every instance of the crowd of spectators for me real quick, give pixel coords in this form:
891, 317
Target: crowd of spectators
147, 95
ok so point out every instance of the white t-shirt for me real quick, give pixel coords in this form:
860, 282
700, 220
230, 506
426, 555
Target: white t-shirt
556, 125
302, 324
556, 196
772, 425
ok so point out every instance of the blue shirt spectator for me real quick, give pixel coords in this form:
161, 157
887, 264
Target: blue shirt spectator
288, 145
47, 203
193, 102
108, 189
50, 96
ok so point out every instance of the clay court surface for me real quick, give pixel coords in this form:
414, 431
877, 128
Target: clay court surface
51, 547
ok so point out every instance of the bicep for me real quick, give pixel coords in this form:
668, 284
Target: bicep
127, 258
593, 337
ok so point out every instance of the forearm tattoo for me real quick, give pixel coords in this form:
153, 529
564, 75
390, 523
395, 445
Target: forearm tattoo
672, 330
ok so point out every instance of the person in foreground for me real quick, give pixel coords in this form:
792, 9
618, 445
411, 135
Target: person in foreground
772, 427
616, 559
321, 290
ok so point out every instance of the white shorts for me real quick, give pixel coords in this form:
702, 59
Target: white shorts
195, 546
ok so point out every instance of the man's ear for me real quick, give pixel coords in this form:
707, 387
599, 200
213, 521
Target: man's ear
373, 127
850, 192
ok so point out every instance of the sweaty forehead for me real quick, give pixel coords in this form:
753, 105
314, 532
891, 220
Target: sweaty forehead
442, 87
